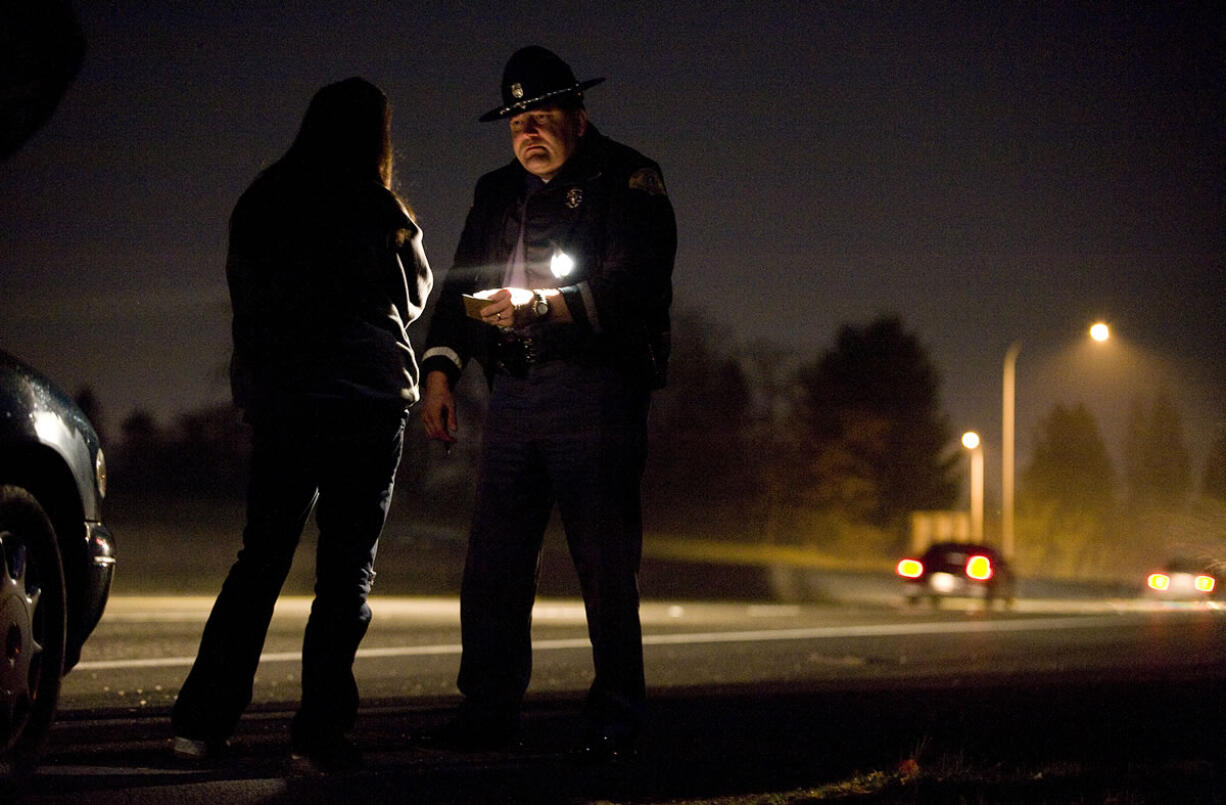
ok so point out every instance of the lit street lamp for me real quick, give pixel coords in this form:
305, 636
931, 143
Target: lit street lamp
1099, 332
970, 440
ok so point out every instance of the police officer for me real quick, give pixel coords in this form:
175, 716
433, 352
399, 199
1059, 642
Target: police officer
566, 257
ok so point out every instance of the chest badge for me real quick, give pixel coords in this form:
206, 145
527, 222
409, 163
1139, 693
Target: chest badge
574, 197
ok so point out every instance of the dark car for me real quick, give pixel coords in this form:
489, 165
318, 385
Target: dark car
58, 558
1184, 579
958, 569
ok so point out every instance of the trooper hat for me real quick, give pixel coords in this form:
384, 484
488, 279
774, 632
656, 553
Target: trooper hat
535, 76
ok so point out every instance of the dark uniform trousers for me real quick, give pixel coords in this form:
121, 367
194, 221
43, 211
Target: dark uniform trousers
573, 435
344, 457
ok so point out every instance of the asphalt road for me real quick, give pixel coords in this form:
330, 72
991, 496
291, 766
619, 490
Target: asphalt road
746, 698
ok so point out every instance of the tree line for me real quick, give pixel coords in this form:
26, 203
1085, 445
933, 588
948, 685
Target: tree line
831, 452
1079, 515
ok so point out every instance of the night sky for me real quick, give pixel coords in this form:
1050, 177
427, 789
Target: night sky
990, 172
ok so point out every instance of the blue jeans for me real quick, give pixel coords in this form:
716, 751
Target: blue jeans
575, 436
339, 460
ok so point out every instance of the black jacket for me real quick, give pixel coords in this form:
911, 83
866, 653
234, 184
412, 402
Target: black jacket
324, 277
608, 210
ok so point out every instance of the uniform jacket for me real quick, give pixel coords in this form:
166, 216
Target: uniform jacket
608, 210
324, 277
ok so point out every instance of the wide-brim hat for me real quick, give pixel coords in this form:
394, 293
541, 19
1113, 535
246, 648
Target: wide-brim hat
535, 76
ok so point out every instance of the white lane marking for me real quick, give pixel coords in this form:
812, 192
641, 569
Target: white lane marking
874, 630
772, 610
694, 638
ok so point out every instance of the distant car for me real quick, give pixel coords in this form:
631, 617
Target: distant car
1183, 579
958, 569
56, 557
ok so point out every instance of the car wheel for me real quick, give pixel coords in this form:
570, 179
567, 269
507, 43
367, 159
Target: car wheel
32, 630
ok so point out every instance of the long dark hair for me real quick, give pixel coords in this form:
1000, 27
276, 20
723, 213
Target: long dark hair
345, 134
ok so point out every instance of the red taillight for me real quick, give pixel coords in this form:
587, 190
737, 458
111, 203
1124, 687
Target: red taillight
1205, 584
910, 568
1158, 581
979, 567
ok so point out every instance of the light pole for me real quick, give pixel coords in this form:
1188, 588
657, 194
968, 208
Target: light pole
1006, 451
1099, 332
970, 440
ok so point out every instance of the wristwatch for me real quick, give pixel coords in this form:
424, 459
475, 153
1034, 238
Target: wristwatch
541, 306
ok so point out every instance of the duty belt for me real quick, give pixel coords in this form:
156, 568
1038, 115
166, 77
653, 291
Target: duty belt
515, 355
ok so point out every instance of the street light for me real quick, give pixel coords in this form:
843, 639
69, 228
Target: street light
1099, 332
1006, 452
970, 440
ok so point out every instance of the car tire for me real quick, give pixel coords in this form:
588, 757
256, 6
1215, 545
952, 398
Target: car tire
33, 626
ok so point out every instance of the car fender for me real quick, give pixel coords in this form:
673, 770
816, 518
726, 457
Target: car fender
54, 421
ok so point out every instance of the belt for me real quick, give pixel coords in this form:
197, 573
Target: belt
516, 354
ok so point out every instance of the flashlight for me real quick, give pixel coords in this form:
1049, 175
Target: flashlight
561, 264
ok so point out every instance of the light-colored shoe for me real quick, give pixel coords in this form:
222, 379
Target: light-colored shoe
193, 749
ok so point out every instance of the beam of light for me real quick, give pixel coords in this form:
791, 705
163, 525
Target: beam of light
519, 296
1205, 584
1100, 332
1158, 581
970, 440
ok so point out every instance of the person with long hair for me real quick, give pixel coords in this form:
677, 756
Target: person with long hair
326, 269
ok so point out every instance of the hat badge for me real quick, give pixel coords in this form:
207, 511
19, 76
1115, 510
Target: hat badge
517, 91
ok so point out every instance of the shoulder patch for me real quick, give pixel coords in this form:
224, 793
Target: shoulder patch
648, 180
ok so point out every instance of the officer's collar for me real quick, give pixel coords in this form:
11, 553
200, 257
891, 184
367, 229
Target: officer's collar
532, 183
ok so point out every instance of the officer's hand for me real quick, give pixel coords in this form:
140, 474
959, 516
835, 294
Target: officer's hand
500, 312
438, 409
509, 307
